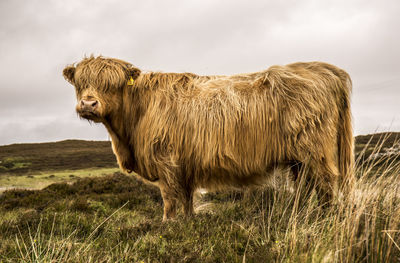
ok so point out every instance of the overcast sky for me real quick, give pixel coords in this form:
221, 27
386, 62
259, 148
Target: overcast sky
39, 37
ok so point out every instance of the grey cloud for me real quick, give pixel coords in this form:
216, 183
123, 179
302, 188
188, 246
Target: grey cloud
38, 38
49, 128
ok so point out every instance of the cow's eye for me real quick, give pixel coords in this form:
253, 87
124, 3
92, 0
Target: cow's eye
79, 88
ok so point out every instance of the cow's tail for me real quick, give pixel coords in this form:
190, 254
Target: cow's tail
345, 137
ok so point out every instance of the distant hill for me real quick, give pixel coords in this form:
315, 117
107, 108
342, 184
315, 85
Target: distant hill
376, 145
389, 138
63, 155
79, 154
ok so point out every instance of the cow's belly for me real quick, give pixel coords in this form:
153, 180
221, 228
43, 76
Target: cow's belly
218, 178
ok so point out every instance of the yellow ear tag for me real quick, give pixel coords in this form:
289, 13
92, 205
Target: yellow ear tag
130, 82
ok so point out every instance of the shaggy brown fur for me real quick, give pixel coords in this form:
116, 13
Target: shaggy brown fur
182, 131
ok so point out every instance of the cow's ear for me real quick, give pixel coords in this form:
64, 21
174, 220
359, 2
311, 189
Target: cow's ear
69, 73
133, 72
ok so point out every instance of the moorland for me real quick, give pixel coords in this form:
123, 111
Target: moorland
68, 202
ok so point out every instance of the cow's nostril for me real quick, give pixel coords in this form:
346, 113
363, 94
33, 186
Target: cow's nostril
88, 104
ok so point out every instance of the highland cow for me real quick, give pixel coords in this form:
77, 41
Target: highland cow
183, 131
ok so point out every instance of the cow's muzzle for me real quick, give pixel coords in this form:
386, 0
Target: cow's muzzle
89, 105
88, 108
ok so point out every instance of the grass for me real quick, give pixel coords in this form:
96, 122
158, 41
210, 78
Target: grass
116, 218
42, 179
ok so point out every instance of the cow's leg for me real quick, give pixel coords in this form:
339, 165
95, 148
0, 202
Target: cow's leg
325, 194
296, 168
325, 176
169, 200
188, 203
302, 176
